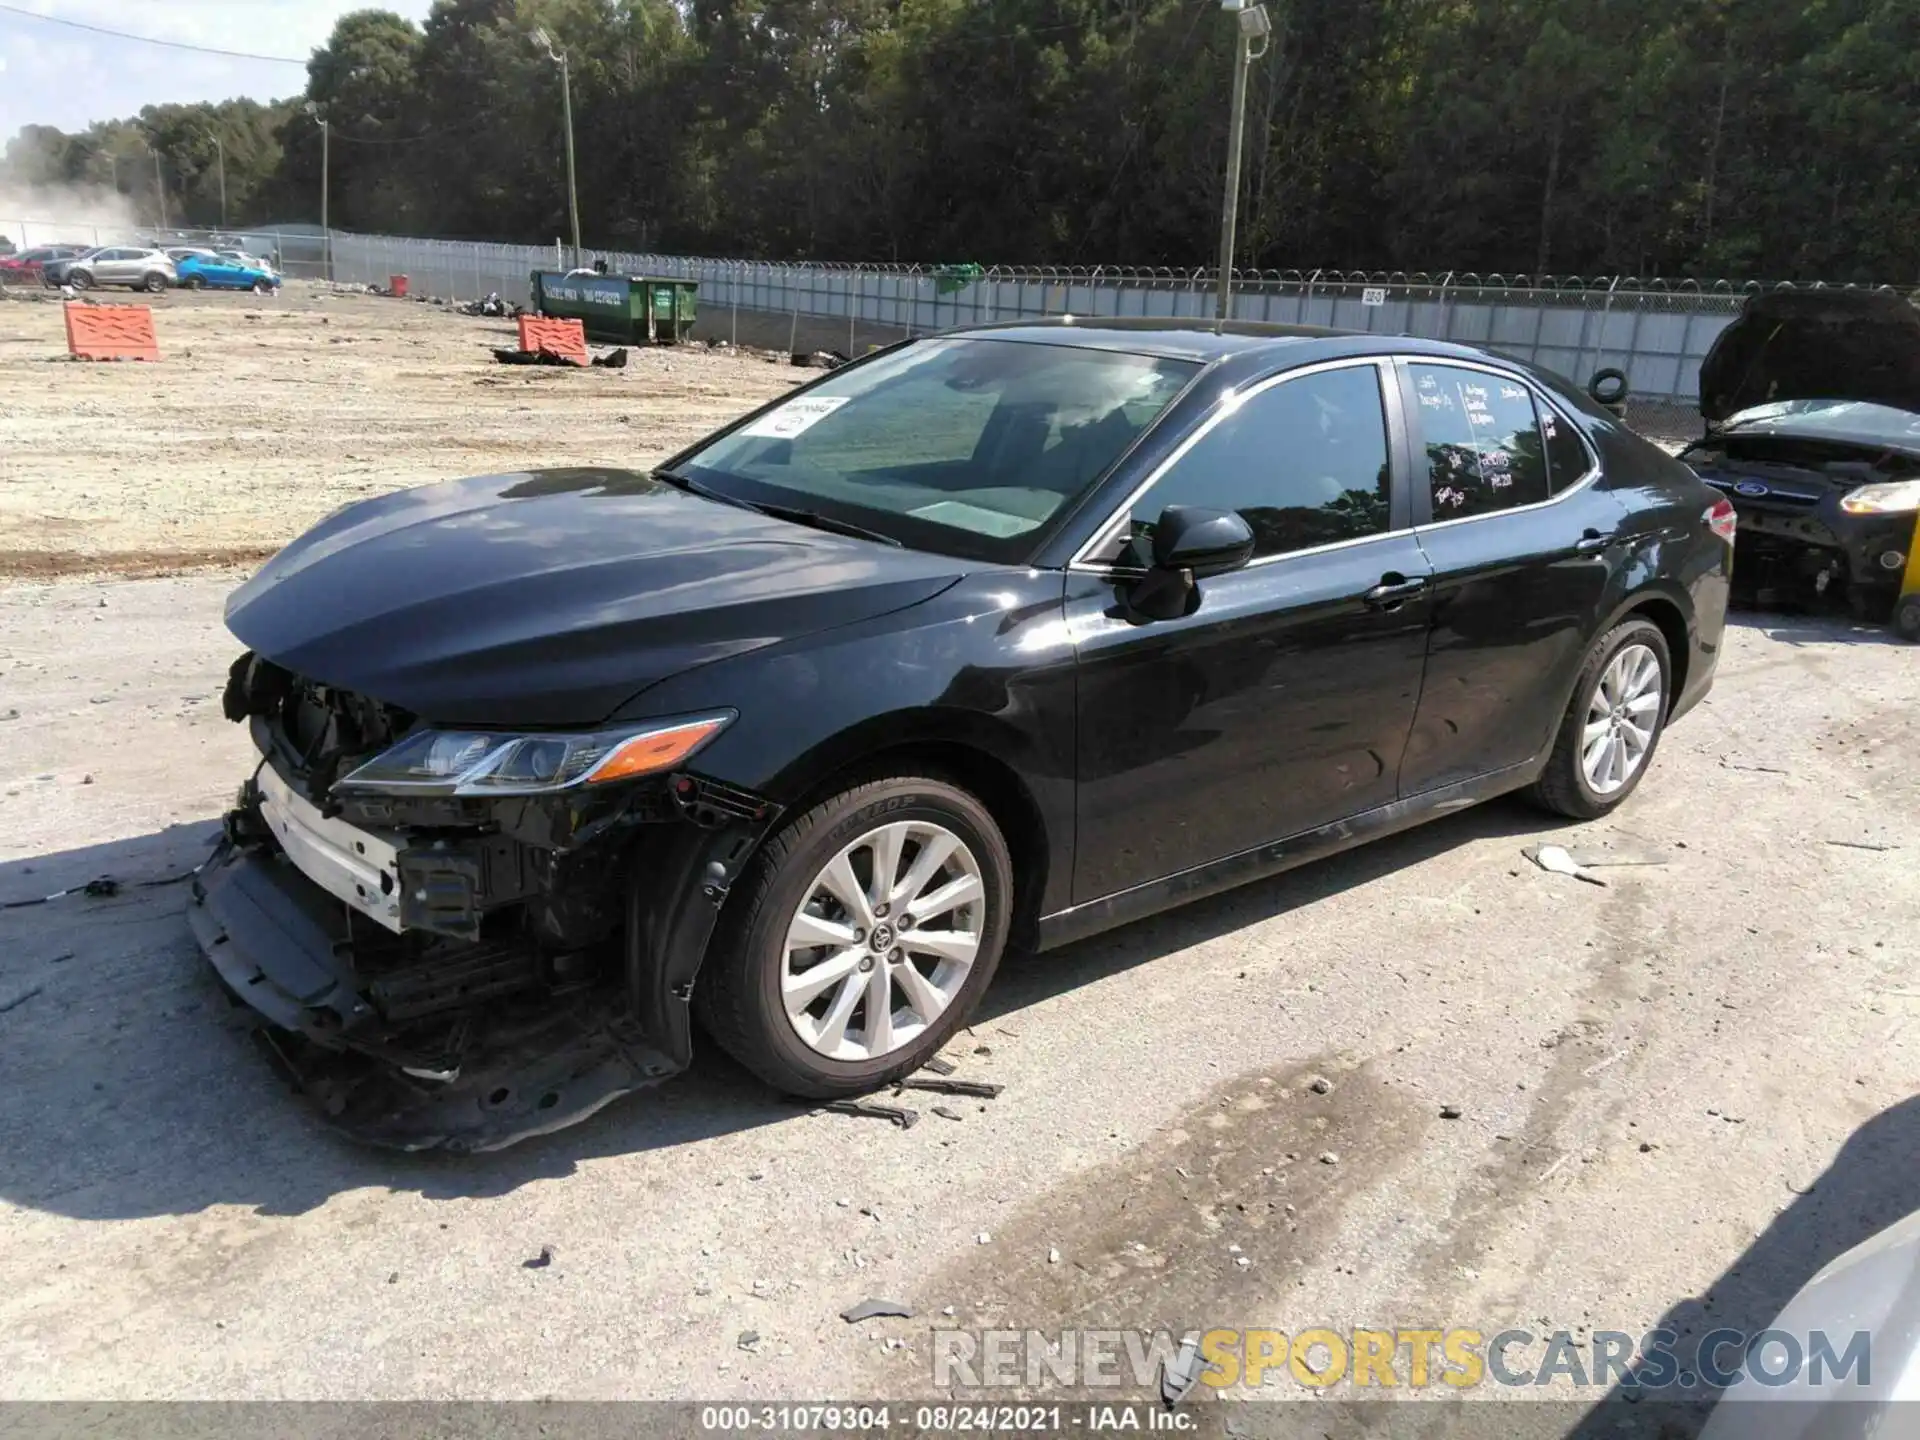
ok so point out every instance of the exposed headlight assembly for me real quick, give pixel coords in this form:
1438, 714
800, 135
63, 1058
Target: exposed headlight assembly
1887, 497
493, 762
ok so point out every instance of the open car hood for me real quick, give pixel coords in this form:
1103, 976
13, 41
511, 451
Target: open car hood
1814, 345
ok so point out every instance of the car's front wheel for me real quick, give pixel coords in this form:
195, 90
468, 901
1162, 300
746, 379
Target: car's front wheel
862, 937
263, 287
78, 279
1612, 727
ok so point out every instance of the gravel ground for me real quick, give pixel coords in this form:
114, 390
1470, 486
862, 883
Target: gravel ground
266, 413
1685, 1089
1678, 1094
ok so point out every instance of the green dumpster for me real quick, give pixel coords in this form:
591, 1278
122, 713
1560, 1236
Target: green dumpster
619, 309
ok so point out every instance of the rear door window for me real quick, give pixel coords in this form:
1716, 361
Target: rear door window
1484, 450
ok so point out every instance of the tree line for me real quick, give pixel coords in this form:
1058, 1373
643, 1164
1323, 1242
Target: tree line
1743, 138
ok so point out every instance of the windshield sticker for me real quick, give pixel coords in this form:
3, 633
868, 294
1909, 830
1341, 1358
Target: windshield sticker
795, 417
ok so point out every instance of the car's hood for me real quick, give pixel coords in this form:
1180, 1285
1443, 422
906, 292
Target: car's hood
1814, 345
552, 597
1852, 422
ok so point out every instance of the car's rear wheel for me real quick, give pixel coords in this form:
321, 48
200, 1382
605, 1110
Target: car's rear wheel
1906, 618
1612, 726
153, 282
263, 287
861, 939
78, 279
193, 282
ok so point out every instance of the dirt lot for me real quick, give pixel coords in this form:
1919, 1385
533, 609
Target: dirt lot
1678, 1094
267, 413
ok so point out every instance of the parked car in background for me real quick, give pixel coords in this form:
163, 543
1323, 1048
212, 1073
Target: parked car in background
999, 637
221, 271
134, 266
27, 266
1813, 404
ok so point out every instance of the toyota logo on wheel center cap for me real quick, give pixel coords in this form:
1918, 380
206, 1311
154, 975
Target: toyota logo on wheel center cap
882, 937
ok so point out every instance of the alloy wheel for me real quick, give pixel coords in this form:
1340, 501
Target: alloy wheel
1621, 719
883, 940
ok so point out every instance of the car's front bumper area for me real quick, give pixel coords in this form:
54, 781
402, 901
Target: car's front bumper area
1790, 537
464, 974
276, 941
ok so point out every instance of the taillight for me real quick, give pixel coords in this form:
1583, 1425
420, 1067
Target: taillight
1722, 519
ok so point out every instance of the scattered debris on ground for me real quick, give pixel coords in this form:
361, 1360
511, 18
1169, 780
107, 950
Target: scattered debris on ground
492, 308
905, 1119
1556, 861
984, 1089
540, 1261
875, 1309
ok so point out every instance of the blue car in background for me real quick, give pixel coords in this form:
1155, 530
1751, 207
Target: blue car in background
199, 270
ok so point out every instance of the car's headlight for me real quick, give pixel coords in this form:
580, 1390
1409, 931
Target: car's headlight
492, 762
1887, 497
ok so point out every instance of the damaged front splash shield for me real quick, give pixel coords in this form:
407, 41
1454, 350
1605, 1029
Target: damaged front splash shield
524, 1068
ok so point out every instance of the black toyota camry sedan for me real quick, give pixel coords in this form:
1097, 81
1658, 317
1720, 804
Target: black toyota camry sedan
996, 638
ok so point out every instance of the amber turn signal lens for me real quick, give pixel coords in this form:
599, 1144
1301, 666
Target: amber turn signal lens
656, 750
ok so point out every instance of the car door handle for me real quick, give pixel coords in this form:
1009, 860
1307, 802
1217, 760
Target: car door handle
1593, 541
1393, 590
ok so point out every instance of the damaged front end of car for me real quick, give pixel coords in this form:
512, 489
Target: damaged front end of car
459, 938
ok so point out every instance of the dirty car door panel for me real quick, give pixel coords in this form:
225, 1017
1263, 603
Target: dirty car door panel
1283, 699
1522, 563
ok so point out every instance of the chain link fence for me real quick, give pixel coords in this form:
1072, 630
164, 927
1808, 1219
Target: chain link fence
1655, 331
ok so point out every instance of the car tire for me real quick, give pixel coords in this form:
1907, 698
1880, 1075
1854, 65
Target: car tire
262, 287
193, 282
742, 994
1906, 618
1579, 783
78, 279
153, 282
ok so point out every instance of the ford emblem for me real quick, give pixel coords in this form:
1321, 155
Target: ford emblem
1752, 489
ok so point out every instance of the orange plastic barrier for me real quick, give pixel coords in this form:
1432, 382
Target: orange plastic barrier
566, 338
111, 332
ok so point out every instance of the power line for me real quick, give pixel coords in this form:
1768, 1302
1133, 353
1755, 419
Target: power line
149, 39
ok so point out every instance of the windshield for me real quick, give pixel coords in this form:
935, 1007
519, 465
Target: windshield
965, 446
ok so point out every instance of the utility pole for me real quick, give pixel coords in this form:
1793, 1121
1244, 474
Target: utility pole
220, 150
559, 57
1252, 25
160, 188
326, 234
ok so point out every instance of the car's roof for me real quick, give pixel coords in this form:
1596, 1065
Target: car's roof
1204, 340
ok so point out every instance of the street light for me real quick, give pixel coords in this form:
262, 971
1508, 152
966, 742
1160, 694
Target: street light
1253, 25
326, 234
559, 57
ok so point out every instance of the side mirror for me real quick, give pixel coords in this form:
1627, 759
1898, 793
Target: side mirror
1202, 542
1189, 544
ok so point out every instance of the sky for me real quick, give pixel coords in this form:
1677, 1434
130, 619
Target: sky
55, 75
